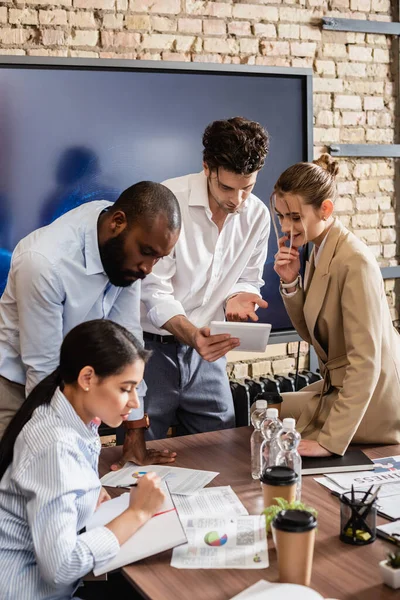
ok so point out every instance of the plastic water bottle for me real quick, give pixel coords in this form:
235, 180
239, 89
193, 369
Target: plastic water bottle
257, 417
288, 441
270, 428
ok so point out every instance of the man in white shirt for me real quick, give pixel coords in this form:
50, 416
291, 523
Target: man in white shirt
216, 267
88, 264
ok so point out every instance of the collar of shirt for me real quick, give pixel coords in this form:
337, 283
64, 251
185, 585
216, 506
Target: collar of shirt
317, 253
91, 249
65, 411
198, 195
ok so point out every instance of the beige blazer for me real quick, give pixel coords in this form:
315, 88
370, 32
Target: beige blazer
343, 312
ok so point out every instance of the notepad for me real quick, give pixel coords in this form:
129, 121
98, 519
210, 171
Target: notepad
162, 532
353, 460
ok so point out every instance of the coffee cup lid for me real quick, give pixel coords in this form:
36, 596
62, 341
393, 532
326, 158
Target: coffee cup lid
294, 520
278, 476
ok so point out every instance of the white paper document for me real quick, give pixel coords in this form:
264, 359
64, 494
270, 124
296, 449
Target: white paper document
386, 472
162, 532
263, 590
223, 543
210, 501
392, 489
365, 478
180, 481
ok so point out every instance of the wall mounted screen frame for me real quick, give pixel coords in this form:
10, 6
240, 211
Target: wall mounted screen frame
223, 78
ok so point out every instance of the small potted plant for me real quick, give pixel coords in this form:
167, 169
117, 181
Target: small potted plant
281, 504
390, 569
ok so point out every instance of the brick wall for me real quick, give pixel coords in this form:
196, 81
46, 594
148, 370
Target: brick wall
354, 95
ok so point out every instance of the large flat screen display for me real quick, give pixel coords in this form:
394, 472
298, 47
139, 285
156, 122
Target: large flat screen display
76, 131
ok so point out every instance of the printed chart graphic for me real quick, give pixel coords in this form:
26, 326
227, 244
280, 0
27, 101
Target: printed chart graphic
212, 538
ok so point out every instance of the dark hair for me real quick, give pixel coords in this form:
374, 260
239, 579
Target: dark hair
104, 345
146, 200
237, 145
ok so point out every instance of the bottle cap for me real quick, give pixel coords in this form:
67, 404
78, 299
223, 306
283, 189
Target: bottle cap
261, 404
272, 413
294, 520
289, 424
278, 476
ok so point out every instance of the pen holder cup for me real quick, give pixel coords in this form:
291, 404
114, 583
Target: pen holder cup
358, 518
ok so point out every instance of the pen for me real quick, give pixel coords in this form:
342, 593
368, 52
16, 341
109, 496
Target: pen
127, 486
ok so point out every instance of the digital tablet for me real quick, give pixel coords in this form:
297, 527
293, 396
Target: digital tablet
253, 336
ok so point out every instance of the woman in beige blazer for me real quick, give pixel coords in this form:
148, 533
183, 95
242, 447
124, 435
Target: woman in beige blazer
341, 309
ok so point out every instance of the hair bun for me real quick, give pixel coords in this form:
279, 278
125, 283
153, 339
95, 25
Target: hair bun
326, 162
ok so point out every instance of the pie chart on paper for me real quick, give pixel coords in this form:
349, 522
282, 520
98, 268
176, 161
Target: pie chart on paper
212, 538
138, 474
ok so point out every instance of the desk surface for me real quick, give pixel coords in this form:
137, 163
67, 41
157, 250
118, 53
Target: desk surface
339, 570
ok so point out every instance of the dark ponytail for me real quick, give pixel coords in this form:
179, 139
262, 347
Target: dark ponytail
104, 345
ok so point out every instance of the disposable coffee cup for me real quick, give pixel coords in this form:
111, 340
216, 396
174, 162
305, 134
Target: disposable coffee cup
293, 532
278, 482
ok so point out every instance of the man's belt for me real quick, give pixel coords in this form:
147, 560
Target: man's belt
161, 339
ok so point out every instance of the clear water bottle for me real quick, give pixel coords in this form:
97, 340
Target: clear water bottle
257, 417
270, 428
288, 441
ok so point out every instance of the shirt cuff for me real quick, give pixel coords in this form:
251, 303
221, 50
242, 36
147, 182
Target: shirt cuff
137, 413
289, 294
102, 543
162, 313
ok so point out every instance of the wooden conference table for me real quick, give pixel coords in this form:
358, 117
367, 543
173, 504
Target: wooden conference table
340, 570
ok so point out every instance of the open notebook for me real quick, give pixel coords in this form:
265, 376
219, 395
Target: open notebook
163, 532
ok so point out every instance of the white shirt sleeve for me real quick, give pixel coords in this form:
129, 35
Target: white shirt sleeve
39, 296
251, 279
53, 483
158, 293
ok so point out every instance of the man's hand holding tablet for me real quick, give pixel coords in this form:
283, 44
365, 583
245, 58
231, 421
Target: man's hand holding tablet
253, 336
211, 347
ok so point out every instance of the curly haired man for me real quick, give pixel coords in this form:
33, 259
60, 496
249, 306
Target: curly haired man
215, 271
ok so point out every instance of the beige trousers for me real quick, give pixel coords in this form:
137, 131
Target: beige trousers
12, 396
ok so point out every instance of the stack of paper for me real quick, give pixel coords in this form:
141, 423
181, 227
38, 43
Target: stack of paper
219, 532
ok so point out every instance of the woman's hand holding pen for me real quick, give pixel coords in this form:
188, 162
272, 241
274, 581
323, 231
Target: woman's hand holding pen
287, 261
146, 497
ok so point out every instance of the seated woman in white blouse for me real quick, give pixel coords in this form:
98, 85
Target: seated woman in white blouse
49, 484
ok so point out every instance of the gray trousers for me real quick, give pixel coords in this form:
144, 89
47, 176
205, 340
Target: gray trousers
185, 390
12, 396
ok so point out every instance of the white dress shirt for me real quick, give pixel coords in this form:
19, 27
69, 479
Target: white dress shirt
47, 495
57, 281
318, 251
206, 266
